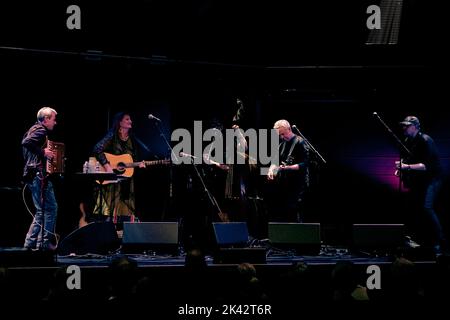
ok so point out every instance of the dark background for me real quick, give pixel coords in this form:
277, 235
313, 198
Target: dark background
307, 63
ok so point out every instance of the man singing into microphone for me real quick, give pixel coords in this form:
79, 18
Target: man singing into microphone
290, 178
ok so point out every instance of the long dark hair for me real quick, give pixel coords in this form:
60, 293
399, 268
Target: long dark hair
115, 125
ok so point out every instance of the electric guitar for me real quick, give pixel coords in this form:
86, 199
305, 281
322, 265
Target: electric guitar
277, 172
123, 165
404, 175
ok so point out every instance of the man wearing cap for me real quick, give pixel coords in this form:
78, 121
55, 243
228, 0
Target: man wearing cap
421, 173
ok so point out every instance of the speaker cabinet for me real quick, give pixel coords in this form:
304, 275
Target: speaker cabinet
303, 238
232, 244
150, 236
231, 234
378, 237
96, 237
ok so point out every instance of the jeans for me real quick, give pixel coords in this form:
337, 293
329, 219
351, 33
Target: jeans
424, 221
46, 211
430, 196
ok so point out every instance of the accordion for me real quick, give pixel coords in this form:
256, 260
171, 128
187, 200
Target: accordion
56, 165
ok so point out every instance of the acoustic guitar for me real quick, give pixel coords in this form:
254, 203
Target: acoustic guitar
123, 165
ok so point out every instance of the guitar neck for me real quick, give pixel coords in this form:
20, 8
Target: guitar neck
147, 163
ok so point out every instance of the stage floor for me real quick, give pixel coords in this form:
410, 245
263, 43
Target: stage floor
163, 280
327, 255
271, 259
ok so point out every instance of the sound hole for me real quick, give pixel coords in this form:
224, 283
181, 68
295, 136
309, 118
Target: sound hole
120, 168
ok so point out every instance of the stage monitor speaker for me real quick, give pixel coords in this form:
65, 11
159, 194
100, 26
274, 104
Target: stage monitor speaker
159, 237
231, 234
304, 238
379, 237
95, 237
232, 244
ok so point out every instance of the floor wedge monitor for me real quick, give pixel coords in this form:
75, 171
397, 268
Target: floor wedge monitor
161, 237
303, 238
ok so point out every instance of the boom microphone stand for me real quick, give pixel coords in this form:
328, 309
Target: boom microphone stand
313, 176
157, 121
223, 216
309, 144
400, 143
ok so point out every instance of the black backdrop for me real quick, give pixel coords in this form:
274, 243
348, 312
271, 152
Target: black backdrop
323, 80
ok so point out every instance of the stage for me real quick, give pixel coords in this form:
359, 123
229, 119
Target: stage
179, 71
163, 279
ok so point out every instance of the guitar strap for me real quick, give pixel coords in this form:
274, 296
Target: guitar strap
294, 143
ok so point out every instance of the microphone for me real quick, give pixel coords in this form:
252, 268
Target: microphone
375, 114
296, 129
152, 117
187, 155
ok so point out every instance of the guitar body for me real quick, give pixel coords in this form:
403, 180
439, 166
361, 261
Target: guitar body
120, 164
123, 165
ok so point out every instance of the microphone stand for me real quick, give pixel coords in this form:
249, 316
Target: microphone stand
309, 144
400, 143
173, 156
223, 216
313, 175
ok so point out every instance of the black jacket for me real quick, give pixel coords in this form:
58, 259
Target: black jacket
33, 144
